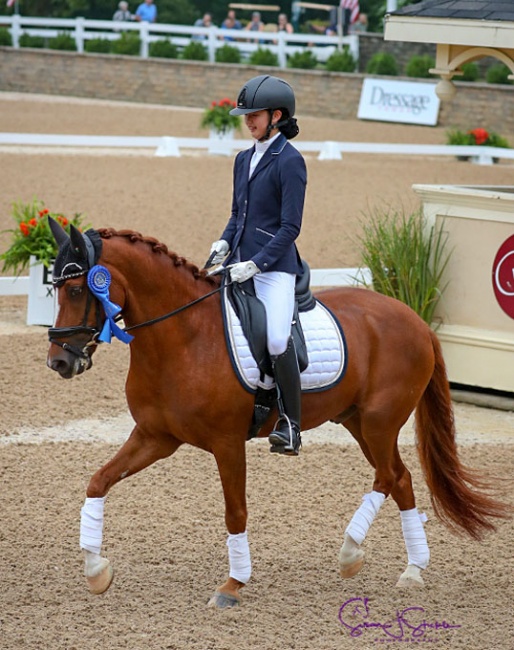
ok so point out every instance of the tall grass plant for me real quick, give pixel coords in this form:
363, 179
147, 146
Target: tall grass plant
406, 258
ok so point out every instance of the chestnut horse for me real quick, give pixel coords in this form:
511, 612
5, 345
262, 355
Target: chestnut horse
181, 388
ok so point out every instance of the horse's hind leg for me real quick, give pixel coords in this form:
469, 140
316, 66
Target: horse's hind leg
418, 554
138, 452
351, 555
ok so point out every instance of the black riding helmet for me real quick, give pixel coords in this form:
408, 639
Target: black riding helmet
269, 93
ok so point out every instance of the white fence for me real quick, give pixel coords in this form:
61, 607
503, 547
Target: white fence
19, 286
170, 146
82, 30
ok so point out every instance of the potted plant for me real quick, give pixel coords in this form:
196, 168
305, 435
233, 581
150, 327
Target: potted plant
33, 246
218, 119
478, 136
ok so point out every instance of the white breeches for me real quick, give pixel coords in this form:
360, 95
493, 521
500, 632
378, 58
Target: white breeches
276, 290
240, 564
363, 518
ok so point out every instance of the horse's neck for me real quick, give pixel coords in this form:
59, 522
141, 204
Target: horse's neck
151, 281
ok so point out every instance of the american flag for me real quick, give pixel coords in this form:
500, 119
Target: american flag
353, 6
10, 3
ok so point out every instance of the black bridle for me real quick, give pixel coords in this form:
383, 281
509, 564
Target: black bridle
56, 333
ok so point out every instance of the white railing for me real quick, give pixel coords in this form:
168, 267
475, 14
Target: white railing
280, 43
170, 146
19, 286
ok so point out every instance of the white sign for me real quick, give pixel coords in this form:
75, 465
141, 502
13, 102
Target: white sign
398, 101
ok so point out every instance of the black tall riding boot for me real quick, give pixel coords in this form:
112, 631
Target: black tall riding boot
285, 438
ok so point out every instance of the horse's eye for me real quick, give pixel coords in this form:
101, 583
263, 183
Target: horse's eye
74, 292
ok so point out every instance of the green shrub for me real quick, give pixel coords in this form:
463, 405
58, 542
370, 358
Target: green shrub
195, 51
496, 140
262, 56
63, 41
406, 259
382, 63
26, 40
419, 65
101, 45
305, 60
163, 49
5, 37
470, 72
342, 61
459, 138
228, 54
128, 43
498, 74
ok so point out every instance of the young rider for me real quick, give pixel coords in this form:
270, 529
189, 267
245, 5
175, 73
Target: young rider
267, 208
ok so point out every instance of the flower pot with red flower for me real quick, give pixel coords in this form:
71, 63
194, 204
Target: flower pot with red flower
33, 247
476, 137
221, 125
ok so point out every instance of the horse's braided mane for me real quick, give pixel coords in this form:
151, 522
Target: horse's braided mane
159, 247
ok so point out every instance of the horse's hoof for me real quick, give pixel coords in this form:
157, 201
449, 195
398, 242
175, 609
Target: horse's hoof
350, 570
100, 583
350, 563
411, 578
223, 601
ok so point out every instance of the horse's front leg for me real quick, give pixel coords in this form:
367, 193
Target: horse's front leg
231, 460
138, 452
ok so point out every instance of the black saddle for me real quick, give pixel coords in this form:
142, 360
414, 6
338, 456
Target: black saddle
252, 315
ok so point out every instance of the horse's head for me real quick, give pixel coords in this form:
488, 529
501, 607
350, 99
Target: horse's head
80, 316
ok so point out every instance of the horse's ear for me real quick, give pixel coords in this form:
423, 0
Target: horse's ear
77, 242
60, 235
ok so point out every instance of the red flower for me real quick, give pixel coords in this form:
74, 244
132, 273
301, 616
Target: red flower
62, 220
24, 228
43, 212
32, 222
481, 136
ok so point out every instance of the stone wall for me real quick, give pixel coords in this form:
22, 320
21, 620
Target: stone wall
192, 83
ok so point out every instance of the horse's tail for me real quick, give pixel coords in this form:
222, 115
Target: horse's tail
457, 492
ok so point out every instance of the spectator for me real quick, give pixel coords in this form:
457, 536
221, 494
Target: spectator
283, 25
204, 21
228, 23
231, 20
255, 24
146, 12
361, 25
123, 14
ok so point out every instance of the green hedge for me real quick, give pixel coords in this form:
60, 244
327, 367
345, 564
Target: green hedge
163, 49
382, 63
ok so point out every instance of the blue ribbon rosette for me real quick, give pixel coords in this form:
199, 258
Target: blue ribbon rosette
99, 281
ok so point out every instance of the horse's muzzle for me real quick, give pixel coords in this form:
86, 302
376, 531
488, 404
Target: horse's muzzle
68, 364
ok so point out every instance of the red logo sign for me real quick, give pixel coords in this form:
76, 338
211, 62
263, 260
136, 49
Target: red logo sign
503, 276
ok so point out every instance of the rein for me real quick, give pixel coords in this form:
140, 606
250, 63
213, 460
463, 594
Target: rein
175, 311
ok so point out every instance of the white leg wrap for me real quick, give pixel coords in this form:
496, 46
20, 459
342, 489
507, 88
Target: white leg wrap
361, 521
91, 524
239, 557
418, 553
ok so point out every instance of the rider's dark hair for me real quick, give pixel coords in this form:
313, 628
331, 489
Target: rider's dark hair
288, 125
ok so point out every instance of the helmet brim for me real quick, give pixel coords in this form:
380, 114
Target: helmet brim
246, 111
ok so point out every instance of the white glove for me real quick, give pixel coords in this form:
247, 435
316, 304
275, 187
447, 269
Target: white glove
221, 249
243, 271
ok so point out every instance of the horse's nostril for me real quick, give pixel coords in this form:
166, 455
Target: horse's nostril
59, 366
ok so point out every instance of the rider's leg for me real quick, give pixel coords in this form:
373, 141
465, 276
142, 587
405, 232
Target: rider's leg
276, 291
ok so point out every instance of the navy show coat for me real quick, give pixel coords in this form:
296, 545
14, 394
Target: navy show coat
267, 209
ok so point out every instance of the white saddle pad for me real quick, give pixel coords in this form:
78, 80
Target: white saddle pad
326, 349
